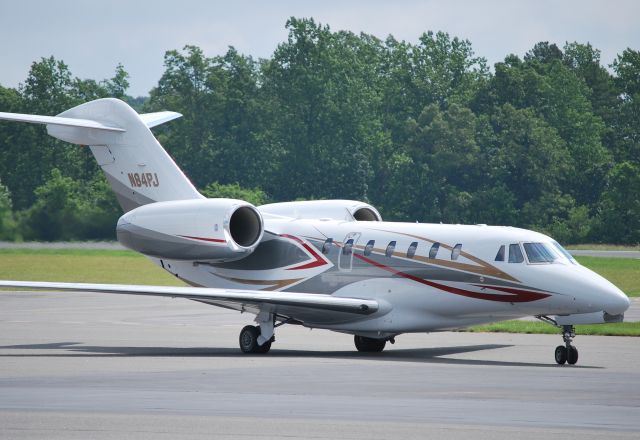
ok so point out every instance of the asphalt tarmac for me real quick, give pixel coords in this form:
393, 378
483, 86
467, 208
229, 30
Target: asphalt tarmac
78, 366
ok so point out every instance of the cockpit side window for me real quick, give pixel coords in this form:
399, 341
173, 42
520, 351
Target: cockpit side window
348, 247
326, 247
500, 254
515, 253
564, 252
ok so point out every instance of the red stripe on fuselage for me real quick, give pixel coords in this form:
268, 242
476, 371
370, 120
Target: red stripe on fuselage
517, 295
319, 261
213, 240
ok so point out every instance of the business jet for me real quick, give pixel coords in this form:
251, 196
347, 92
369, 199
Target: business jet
330, 264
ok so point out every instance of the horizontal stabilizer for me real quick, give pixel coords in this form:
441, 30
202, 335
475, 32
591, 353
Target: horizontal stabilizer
57, 120
153, 119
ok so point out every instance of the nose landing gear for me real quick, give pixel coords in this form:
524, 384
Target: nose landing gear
567, 353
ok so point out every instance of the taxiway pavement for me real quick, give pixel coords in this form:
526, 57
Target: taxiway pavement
83, 365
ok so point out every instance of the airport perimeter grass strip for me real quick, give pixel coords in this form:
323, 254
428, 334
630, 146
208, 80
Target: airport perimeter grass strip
534, 327
603, 247
82, 266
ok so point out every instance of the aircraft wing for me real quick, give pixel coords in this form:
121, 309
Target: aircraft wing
300, 306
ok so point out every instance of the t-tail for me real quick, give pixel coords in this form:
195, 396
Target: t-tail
138, 169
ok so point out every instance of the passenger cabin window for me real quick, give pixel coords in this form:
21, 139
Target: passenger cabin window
515, 253
390, 248
500, 254
539, 253
326, 247
434, 250
411, 252
455, 252
348, 247
369, 247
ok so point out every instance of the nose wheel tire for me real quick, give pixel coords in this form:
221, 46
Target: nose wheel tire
249, 341
567, 353
561, 354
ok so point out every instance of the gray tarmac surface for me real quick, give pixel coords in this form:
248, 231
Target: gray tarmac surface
79, 366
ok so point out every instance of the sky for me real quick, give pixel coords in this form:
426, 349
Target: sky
92, 37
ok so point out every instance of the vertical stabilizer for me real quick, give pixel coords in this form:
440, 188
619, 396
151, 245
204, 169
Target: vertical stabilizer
139, 170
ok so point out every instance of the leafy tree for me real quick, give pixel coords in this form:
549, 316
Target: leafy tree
620, 205
423, 130
221, 132
627, 126
324, 107
255, 196
7, 220
69, 210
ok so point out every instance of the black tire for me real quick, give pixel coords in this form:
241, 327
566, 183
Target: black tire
264, 348
572, 355
369, 345
561, 354
249, 339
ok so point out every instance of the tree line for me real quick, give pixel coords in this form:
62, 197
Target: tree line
424, 131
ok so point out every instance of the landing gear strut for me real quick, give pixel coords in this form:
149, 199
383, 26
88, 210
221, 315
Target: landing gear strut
567, 353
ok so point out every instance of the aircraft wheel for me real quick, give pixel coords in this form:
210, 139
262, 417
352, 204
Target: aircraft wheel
249, 339
572, 355
561, 354
369, 345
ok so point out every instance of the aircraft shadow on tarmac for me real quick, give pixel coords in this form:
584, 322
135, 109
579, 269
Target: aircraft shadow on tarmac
427, 355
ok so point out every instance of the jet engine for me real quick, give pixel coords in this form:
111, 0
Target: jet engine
347, 210
202, 229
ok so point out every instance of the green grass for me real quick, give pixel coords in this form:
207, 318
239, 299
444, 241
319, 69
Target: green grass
623, 272
620, 329
89, 266
604, 247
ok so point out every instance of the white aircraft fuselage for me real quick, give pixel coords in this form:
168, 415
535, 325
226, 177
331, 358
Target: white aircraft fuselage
416, 293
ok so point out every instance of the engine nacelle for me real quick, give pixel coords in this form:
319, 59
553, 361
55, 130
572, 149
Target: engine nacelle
202, 229
347, 210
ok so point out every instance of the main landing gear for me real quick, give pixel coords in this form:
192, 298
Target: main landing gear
257, 339
249, 341
567, 353
370, 345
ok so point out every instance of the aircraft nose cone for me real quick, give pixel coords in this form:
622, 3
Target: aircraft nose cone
617, 302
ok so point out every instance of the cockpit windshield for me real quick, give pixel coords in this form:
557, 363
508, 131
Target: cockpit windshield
540, 253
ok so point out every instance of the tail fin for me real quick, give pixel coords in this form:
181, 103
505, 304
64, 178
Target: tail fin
139, 170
